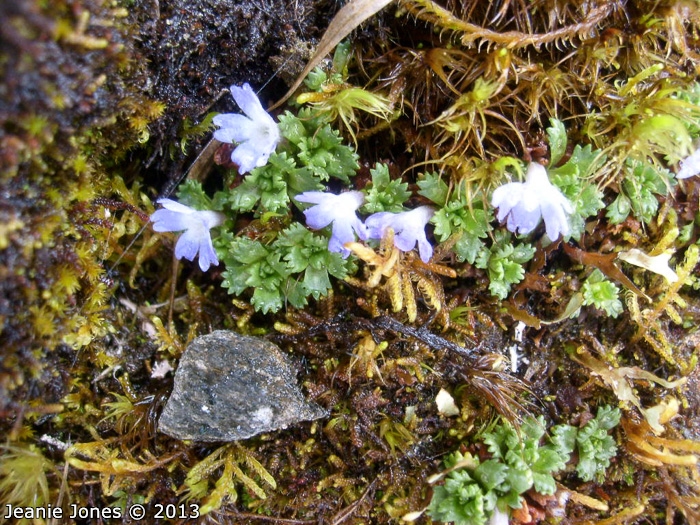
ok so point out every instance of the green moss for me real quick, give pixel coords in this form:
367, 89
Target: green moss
74, 77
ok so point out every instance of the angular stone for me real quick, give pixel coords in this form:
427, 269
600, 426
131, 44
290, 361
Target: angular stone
230, 387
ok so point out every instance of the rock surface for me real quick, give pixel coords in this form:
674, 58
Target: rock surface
230, 387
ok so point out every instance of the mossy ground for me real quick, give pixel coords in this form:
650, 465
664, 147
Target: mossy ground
98, 116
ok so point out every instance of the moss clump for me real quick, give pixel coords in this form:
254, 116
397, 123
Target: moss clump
71, 106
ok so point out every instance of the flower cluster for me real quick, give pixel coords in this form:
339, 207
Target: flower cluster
340, 211
256, 136
524, 204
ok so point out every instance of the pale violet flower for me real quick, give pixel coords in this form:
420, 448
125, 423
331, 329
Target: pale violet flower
256, 134
338, 210
409, 229
689, 166
175, 217
525, 203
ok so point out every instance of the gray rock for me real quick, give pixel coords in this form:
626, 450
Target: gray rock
229, 387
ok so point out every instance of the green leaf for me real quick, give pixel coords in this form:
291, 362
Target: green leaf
294, 292
460, 500
544, 483
303, 251
582, 164
315, 79
468, 247
490, 473
338, 267
341, 57
608, 417
642, 183
595, 447
292, 127
443, 224
602, 294
250, 264
533, 428
244, 197
512, 499
247, 251
564, 438
301, 180
325, 155
297, 243
549, 460
316, 282
557, 140
266, 300
468, 220
190, 193
385, 194
433, 188
619, 209
504, 263
573, 179
513, 272
519, 475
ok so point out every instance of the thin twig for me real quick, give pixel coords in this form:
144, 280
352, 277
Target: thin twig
422, 334
350, 509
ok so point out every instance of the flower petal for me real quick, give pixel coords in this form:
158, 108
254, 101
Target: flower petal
405, 241
351, 200
506, 197
408, 226
170, 221
338, 210
256, 134
211, 219
314, 197
342, 233
234, 128
172, 205
425, 249
555, 220
207, 254
377, 223
360, 228
187, 245
522, 220
247, 157
689, 166
319, 216
249, 102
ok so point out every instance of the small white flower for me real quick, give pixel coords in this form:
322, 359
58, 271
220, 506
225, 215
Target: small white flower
525, 203
408, 226
256, 134
175, 217
339, 210
689, 166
